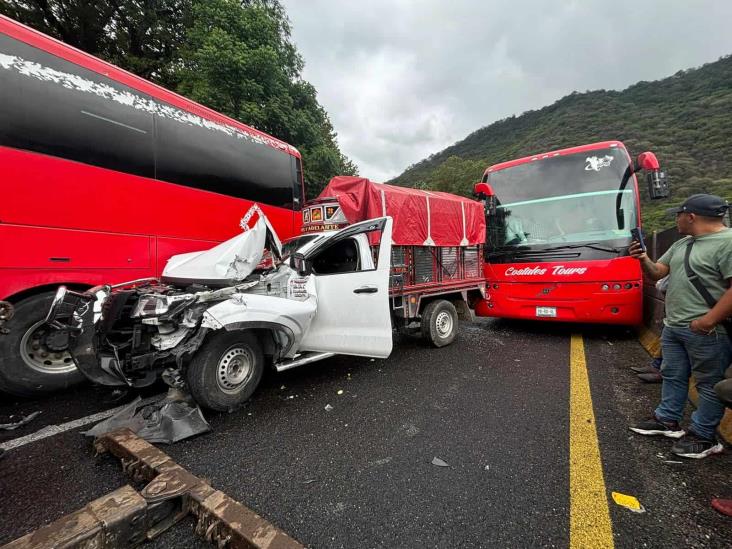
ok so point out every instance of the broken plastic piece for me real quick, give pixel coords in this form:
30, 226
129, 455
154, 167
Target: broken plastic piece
23, 420
328, 407
437, 461
165, 421
629, 502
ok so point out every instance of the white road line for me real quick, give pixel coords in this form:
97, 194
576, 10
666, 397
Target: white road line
52, 430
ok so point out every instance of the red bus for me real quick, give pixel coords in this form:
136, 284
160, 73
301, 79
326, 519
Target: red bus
103, 177
558, 230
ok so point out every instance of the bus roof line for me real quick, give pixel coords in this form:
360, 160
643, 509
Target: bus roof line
558, 152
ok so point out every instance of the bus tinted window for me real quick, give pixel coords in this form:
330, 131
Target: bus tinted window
51, 106
227, 163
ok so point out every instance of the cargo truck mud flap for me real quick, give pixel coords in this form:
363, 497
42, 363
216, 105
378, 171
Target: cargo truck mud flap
126, 518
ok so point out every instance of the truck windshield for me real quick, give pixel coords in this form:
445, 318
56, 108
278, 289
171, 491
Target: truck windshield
560, 200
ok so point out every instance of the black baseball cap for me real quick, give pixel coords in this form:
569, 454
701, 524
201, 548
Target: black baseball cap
708, 205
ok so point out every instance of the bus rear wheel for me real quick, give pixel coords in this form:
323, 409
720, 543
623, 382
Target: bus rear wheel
34, 358
439, 323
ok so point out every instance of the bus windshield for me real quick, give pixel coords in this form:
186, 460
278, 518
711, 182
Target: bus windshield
562, 200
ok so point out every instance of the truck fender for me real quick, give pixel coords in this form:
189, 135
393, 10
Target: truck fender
287, 317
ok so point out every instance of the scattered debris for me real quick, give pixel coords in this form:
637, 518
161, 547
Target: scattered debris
22, 421
310, 481
328, 407
437, 461
168, 420
487, 467
629, 502
373, 360
672, 461
610, 343
282, 388
340, 392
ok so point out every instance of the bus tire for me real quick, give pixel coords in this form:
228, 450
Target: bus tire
439, 323
34, 358
226, 370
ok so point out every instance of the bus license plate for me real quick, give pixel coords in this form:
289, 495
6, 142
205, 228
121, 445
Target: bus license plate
546, 311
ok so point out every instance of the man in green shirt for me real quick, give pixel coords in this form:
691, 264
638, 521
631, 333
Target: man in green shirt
693, 340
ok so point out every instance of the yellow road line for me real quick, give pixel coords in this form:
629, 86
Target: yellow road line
589, 516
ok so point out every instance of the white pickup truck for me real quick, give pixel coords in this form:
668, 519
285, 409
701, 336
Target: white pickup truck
216, 318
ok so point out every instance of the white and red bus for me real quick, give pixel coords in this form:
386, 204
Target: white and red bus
558, 230
104, 176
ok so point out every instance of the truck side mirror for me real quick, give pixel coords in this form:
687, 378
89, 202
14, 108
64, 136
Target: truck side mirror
299, 264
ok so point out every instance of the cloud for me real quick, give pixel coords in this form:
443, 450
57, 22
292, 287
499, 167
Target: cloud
404, 79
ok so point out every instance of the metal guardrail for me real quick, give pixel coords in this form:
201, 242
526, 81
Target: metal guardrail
127, 518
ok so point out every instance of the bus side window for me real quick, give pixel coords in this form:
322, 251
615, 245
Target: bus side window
230, 163
73, 113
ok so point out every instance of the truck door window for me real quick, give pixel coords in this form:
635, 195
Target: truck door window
341, 257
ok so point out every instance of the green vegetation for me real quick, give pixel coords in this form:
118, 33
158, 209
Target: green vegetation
234, 56
685, 119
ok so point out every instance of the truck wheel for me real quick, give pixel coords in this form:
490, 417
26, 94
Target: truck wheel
34, 358
439, 323
226, 370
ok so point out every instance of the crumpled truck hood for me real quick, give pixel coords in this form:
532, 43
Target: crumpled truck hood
232, 260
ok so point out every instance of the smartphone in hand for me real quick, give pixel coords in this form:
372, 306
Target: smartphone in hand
637, 235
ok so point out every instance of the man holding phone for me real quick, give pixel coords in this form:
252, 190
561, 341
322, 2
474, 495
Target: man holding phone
694, 340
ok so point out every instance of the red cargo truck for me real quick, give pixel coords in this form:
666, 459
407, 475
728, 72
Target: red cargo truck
437, 249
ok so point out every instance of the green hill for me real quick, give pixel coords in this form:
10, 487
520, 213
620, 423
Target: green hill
686, 119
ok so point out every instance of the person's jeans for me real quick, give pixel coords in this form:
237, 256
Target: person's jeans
706, 357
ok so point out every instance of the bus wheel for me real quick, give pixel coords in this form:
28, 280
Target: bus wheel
34, 358
226, 370
439, 323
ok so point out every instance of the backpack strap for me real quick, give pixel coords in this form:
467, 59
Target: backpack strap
694, 278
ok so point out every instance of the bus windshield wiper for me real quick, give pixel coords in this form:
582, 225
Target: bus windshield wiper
548, 251
591, 245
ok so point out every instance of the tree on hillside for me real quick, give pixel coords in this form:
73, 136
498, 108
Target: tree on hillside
235, 56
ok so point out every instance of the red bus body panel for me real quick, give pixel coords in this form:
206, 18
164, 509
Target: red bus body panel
577, 295
66, 222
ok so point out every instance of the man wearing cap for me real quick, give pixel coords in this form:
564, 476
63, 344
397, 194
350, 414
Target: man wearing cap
693, 340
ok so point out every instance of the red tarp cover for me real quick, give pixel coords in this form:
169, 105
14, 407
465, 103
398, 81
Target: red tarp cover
421, 218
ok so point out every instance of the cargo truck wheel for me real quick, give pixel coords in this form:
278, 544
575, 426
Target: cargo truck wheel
226, 370
34, 358
439, 323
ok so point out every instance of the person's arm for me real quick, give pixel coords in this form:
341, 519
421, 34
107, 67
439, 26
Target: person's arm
654, 271
721, 311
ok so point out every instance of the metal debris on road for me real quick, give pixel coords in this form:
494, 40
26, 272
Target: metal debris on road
22, 421
629, 502
328, 407
166, 421
437, 461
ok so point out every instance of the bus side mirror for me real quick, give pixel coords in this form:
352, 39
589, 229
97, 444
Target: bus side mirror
655, 178
657, 185
299, 264
483, 191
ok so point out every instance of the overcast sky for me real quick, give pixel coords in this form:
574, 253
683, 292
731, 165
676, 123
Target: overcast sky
402, 79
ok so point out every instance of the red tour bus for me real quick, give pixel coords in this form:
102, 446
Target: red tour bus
103, 177
558, 230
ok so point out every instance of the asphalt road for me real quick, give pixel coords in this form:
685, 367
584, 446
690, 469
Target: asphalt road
494, 406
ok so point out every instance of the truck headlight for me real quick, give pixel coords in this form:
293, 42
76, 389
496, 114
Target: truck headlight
150, 305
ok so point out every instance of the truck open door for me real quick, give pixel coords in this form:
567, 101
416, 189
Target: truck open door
352, 288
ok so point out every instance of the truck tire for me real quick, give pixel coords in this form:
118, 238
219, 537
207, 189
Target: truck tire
226, 370
439, 323
34, 358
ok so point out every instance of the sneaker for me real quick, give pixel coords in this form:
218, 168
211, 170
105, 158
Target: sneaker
655, 426
695, 447
654, 377
644, 369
